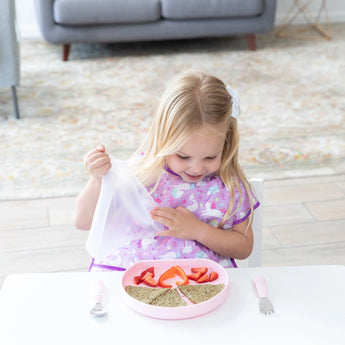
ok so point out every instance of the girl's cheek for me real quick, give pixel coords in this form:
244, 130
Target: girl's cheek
215, 167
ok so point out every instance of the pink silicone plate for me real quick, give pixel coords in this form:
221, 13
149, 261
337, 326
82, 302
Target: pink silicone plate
188, 311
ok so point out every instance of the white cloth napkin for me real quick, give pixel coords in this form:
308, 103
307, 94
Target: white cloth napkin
122, 213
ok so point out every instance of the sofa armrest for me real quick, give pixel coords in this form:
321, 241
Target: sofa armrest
269, 14
44, 10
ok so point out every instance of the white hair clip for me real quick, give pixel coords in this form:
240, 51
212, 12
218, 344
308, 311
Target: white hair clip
236, 110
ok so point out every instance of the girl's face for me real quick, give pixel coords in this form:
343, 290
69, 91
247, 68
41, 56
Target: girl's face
199, 157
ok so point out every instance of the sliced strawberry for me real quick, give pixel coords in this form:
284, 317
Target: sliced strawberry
150, 269
148, 279
204, 278
194, 276
138, 279
203, 270
213, 276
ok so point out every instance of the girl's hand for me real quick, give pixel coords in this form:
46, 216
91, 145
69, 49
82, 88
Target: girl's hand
97, 162
181, 222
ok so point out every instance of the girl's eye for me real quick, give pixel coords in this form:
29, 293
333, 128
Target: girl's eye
210, 158
182, 157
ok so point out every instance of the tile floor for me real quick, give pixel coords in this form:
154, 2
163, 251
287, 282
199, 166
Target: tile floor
303, 224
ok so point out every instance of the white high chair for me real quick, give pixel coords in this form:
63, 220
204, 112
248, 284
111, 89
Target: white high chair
254, 259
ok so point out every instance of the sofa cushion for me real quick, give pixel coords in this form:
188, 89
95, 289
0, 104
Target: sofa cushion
94, 12
202, 9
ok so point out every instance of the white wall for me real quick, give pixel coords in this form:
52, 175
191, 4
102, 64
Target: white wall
27, 25
26, 19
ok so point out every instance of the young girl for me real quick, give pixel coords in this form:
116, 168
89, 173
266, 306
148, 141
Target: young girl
189, 164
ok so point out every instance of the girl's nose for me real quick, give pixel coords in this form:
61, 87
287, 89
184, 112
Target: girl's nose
197, 168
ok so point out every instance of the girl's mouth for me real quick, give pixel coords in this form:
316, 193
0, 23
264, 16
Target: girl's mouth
194, 177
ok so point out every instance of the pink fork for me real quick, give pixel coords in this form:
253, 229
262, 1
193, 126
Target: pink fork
265, 304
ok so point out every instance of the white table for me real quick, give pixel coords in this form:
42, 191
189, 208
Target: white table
53, 308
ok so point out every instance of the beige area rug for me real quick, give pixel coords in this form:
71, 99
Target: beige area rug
291, 92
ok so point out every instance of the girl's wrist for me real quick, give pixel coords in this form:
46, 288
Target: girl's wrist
200, 231
95, 180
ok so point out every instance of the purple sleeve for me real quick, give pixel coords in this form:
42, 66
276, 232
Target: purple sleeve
244, 211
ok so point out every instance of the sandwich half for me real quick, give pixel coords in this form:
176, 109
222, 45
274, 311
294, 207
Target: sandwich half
201, 293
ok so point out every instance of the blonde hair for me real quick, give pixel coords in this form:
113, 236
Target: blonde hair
192, 100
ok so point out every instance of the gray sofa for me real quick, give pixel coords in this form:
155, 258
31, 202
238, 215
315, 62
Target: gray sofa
96, 21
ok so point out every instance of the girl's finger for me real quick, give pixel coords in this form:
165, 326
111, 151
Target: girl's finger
101, 148
164, 212
98, 149
170, 233
163, 220
99, 164
96, 156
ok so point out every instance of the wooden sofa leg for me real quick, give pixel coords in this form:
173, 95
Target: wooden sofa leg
251, 41
65, 51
